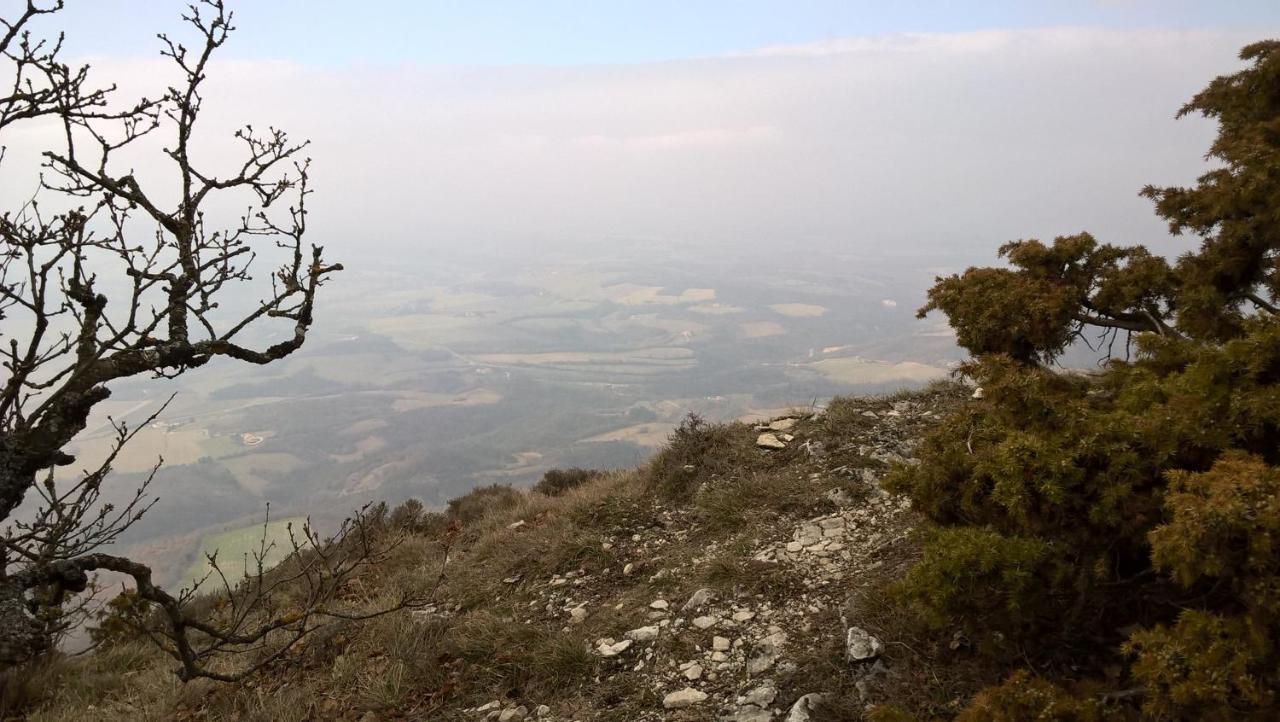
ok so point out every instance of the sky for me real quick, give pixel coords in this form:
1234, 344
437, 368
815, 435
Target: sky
572, 32
885, 127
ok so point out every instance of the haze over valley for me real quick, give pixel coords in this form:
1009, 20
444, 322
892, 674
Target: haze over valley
427, 380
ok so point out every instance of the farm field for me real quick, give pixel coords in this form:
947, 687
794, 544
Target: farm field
651, 435
863, 371
236, 550
425, 382
799, 310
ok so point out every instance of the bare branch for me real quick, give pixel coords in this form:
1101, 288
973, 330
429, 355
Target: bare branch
64, 341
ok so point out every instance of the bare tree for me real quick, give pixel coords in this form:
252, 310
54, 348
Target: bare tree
64, 341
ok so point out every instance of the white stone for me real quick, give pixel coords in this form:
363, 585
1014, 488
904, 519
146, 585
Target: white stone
643, 634
860, 645
698, 600
840, 497
770, 441
704, 622
577, 614
659, 604
694, 671
721, 644
514, 714
609, 648
761, 696
628, 569
750, 714
686, 697
743, 616
804, 708
767, 651
782, 425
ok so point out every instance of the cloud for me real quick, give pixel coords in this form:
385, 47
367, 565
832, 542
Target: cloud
896, 144
681, 140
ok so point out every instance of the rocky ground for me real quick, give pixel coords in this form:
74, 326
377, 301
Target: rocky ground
734, 655
737, 576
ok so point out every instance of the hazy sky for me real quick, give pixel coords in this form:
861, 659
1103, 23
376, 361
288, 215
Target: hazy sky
877, 127
500, 32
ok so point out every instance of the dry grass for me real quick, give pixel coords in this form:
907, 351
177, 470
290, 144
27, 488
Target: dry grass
710, 489
755, 498
699, 452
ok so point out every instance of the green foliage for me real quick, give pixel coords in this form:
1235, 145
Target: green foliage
119, 620
1023, 697
1224, 524
986, 580
1034, 310
1207, 666
1235, 207
1146, 496
1220, 540
885, 713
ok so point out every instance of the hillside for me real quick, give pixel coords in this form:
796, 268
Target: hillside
721, 581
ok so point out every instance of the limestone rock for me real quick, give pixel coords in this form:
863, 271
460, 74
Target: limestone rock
782, 425
609, 648
770, 441
840, 497
686, 697
698, 600
767, 651
515, 714
805, 708
860, 645
750, 714
643, 634
761, 696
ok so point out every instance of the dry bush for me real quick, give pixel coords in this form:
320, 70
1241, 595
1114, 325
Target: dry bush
698, 452
557, 481
483, 501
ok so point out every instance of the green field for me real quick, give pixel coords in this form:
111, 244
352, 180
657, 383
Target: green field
236, 549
